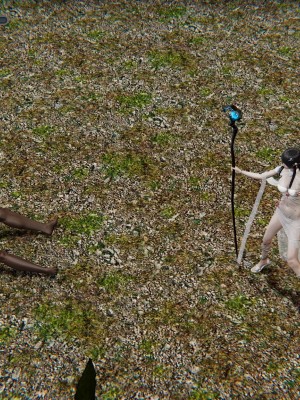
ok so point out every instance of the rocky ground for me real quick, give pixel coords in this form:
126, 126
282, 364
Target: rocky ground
111, 119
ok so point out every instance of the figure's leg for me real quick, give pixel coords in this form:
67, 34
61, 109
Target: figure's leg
22, 265
16, 220
292, 258
273, 227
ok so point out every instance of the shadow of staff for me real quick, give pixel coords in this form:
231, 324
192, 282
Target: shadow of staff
6, 233
275, 282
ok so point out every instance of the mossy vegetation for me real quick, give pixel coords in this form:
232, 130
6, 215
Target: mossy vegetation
268, 154
69, 321
43, 131
163, 139
130, 164
7, 334
129, 102
203, 394
169, 12
168, 212
111, 393
170, 58
4, 72
96, 34
83, 224
78, 226
114, 281
240, 303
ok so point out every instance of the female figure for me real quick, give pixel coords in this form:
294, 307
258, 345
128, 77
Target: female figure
16, 220
287, 214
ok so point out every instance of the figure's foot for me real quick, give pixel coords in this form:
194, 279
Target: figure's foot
297, 272
51, 271
260, 266
51, 226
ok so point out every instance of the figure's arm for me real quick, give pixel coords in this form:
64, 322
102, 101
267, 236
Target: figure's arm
256, 175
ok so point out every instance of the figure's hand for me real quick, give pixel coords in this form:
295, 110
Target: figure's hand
236, 169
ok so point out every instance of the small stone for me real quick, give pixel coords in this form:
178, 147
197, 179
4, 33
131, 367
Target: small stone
110, 313
194, 369
16, 374
108, 251
38, 345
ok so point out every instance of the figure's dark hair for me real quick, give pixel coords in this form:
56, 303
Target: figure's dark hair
291, 158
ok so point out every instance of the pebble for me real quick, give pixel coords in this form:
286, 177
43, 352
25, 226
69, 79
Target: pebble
16, 374
194, 369
38, 345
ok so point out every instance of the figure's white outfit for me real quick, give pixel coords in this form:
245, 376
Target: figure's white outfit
287, 213
288, 210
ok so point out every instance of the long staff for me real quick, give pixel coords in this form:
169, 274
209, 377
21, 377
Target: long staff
251, 219
234, 115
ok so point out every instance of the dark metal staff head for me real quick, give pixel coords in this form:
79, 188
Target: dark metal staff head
3, 20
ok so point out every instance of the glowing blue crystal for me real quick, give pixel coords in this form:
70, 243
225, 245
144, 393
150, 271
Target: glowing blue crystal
234, 116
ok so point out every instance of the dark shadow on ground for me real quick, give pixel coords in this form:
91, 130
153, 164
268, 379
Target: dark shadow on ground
276, 283
16, 233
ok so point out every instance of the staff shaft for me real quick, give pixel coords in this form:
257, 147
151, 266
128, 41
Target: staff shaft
234, 132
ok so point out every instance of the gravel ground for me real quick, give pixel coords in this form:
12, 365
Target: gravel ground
111, 119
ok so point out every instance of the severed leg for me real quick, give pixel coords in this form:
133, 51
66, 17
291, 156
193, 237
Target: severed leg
20, 264
16, 220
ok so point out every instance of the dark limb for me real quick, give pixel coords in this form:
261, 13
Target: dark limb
16, 220
20, 264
